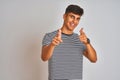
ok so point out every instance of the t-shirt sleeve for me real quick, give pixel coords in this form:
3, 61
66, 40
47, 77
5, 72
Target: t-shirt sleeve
46, 40
84, 47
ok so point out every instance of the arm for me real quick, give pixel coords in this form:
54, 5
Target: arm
90, 52
47, 50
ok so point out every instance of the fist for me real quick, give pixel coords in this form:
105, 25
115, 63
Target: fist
83, 37
57, 39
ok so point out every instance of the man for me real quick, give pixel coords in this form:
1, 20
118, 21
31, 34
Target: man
64, 49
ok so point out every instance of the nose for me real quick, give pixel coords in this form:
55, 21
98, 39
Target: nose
74, 20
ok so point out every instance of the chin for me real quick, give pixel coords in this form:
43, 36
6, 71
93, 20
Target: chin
71, 29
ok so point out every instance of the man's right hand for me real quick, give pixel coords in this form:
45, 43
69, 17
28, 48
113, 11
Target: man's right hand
57, 39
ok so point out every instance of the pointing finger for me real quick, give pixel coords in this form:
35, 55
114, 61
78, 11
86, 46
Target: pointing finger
81, 31
59, 33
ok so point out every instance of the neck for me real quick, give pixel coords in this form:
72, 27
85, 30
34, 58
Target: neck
66, 31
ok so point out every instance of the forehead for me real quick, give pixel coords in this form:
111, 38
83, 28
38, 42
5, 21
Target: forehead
73, 14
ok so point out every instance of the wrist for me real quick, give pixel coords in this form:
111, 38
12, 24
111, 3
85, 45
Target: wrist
87, 41
52, 45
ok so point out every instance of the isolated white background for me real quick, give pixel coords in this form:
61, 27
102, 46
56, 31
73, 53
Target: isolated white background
23, 24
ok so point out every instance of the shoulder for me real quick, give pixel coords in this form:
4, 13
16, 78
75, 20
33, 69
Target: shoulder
48, 37
75, 34
50, 34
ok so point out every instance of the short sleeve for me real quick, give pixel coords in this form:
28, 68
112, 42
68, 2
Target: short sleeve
46, 40
84, 47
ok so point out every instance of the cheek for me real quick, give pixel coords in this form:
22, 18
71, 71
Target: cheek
68, 21
77, 22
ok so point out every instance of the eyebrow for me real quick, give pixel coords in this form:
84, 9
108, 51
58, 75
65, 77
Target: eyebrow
74, 16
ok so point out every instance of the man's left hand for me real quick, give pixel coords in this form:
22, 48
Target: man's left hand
83, 37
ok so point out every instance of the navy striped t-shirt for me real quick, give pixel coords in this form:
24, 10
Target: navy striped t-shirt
67, 60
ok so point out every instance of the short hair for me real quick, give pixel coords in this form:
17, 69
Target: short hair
74, 9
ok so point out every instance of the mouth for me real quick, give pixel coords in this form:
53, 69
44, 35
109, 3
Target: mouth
72, 25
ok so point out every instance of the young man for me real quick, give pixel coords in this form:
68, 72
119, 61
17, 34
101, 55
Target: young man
64, 49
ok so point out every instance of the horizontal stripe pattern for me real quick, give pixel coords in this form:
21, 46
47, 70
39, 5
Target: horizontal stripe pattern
67, 59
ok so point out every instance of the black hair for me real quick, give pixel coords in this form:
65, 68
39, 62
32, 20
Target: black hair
74, 9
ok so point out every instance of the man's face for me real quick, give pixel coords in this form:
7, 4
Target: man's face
71, 21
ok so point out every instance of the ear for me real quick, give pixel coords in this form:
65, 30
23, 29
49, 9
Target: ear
64, 16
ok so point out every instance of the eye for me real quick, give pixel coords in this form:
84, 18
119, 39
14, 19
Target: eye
78, 19
72, 16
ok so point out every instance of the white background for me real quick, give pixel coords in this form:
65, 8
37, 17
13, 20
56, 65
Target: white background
23, 24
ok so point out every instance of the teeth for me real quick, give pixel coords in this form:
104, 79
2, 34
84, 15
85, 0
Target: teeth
72, 24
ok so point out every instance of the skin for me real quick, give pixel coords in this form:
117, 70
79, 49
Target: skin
71, 21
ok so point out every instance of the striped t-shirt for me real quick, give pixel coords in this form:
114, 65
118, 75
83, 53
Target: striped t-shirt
67, 60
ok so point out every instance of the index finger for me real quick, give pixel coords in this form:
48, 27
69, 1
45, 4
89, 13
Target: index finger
59, 33
81, 31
